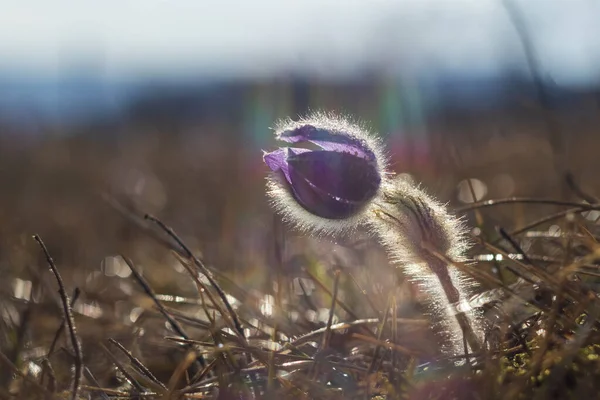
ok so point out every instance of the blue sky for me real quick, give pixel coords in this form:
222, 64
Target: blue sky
120, 38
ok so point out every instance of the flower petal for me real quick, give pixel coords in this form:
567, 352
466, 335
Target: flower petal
331, 184
318, 202
328, 140
277, 160
341, 175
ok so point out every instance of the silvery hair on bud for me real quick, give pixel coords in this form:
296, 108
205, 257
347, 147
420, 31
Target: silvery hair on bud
408, 217
407, 220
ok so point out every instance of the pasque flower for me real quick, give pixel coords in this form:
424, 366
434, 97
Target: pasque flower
333, 183
343, 182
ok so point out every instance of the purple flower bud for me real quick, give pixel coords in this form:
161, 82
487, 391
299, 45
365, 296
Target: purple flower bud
335, 181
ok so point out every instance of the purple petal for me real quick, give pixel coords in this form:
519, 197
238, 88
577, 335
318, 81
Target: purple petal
328, 140
342, 175
330, 184
320, 203
277, 160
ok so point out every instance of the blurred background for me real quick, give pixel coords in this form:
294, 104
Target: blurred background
165, 107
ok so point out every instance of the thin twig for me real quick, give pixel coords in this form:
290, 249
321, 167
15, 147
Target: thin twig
570, 179
543, 220
526, 200
139, 388
76, 293
514, 244
205, 271
140, 279
59, 331
138, 364
378, 341
88, 374
68, 315
327, 335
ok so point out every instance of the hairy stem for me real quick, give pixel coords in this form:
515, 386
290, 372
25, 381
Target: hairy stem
423, 239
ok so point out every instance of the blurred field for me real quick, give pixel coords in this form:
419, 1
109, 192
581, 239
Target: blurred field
84, 189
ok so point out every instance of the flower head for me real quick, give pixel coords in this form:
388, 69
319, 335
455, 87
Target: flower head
328, 188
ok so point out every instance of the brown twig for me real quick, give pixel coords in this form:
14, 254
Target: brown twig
138, 364
205, 271
70, 321
57, 335
526, 200
150, 292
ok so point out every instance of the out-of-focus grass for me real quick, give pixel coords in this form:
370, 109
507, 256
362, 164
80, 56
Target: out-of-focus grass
87, 197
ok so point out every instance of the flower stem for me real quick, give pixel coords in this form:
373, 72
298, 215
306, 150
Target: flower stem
453, 296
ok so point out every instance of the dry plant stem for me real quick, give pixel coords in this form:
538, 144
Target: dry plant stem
202, 290
379, 335
279, 251
68, 316
342, 325
116, 393
363, 292
59, 331
550, 281
320, 284
514, 245
185, 363
174, 324
343, 305
570, 179
142, 224
327, 335
123, 370
51, 386
90, 377
543, 220
205, 271
526, 200
138, 364
138, 277
394, 330
208, 274
530, 269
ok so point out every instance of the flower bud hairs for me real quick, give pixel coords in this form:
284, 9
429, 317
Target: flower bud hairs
345, 184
